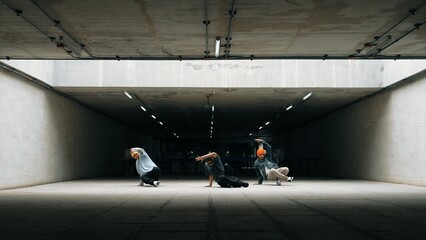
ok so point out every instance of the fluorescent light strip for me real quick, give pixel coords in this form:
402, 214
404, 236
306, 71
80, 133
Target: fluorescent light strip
217, 47
260, 127
128, 95
144, 109
250, 134
160, 123
153, 116
267, 123
213, 108
289, 107
307, 96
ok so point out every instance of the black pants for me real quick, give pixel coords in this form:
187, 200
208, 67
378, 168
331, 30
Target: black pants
229, 171
151, 176
231, 181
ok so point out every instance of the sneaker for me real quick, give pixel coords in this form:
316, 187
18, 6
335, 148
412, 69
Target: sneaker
278, 182
141, 183
290, 179
156, 183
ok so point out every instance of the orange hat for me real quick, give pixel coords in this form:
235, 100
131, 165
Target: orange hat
260, 151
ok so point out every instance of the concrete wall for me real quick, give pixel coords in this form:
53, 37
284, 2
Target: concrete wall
46, 138
382, 138
222, 73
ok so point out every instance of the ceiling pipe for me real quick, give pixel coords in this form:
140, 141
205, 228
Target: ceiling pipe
206, 22
374, 42
415, 27
228, 38
57, 24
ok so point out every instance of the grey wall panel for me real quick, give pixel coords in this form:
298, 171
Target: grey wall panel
47, 138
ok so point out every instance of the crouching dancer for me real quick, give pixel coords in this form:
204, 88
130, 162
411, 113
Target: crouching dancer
266, 168
148, 171
218, 172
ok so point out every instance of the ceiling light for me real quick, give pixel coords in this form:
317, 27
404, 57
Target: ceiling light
289, 107
213, 108
153, 116
144, 109
267, 123
128, 95
212, 122
260, 127
250, 134
160, 123
307, 96
217, 47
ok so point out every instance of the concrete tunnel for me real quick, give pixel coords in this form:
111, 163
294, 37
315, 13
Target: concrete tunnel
352, 133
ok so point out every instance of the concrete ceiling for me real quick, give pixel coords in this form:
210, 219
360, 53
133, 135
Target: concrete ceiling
187, 29
238, 112
173, 29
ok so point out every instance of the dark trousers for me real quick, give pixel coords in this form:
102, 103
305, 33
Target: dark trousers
229, 171
151, 176
231, 181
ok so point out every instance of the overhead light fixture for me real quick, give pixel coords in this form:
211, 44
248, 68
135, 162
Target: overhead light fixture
307, 96
260, 127
289, 107
217, 47
267, 123
128, 95
212, 122
250, 134
153, 116
213, 108
144, 109
160, 123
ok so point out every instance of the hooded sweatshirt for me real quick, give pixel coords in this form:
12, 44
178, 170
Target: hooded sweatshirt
144, 164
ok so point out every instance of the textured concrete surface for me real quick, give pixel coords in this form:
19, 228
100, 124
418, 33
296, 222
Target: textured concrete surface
186, 209
172, 28
382, 138
221, 74
47, 138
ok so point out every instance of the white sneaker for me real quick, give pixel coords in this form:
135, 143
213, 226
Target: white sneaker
141, 183
156, 183
278, 182
290, 179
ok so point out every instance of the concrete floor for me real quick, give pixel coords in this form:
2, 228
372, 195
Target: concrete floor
117, 208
